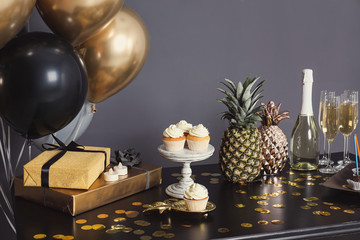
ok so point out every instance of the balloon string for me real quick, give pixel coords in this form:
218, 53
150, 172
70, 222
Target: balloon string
6, 201
78, 125
8, 219
3, 139
29, 147
18, 160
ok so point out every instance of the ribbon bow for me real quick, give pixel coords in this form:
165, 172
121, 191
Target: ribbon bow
73, 146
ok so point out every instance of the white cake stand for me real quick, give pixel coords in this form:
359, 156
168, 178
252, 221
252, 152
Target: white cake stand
186, 157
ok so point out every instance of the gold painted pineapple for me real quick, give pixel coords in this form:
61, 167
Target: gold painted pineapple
240, 150
274, 142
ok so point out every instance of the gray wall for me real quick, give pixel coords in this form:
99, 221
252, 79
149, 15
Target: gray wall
196, 44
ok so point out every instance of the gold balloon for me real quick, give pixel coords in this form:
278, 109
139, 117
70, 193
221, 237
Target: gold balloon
77, 20
13, 16
114, 56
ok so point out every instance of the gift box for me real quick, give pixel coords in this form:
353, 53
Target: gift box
75, 201
76, 169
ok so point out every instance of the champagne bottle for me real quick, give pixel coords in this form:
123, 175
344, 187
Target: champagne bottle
305, 141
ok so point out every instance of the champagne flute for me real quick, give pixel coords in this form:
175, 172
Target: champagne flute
347, 120
331, 122
323, 94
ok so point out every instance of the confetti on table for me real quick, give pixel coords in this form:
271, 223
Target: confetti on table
223, 230
103, 215
39, 236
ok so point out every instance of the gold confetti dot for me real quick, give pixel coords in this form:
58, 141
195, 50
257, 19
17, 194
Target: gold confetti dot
119, 219
213, 182
98, 227
246, 225
103, 215
263, 222
215, 174
142, 223
312, 204
138, 232
310, 184
127, 229
296, 194
146, 205
278, 205
262, 203
165, 226
145, 237
299, 179
282, 178
223, 230
291, 173
120, 211
282, 192
68, 237
158, 233
278, 185
274, 194
169, 235
349, 211
118, 227
345, 186
214, 179
300, 186
320, 184
316, 212
239, 205
277, 222
335, 208
86, 227
328, 203
293, 184
39, 236
305, 207
81, 221
262, 210
136, 204
186, 225
176, 175
310, 199
132, 214
324, 213
205, 174
58, 236
240, 191
317, 176
112, 231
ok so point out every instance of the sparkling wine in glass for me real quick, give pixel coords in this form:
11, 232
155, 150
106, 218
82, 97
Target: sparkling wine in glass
323, 94
331, 122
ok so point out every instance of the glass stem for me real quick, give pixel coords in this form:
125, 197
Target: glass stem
346, 148
325, 154
329, 154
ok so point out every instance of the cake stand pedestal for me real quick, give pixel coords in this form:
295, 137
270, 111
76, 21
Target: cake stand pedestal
185, 157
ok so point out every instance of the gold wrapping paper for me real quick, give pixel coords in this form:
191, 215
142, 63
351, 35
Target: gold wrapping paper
76, 170
74, 201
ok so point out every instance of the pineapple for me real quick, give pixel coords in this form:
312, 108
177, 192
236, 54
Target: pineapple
275, 145
240, 150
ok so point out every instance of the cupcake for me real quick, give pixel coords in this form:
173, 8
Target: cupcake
185, 126
198, 138
173, 138
196, 197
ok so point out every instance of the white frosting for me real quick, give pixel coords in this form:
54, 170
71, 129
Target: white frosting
185, 126
196, 191
199, 131
173, 132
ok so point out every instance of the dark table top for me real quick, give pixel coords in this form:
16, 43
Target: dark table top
286, 197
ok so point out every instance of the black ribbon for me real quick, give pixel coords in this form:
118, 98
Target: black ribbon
73, 146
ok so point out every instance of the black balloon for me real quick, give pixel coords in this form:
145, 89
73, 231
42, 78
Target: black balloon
43, 84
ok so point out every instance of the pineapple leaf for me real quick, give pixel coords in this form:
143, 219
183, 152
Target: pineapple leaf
229, 87
232, 84
239, 90
247, 92
257, 88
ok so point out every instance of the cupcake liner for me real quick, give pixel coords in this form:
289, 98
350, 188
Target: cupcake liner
174, 146
196, 205
353, 185
198, 145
